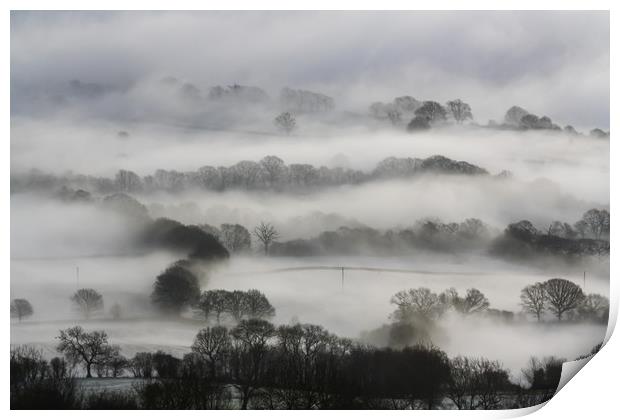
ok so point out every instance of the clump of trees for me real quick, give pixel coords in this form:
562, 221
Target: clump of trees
175, 236
563, 298
422, 303
36, 383
20, 309
285, 122
236, 305
589, 236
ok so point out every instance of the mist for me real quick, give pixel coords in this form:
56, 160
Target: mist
109, 108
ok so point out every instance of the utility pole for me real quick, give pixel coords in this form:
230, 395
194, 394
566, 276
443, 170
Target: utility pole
584, 281
342, 283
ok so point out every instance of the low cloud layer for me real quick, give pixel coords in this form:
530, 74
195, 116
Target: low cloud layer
491, 59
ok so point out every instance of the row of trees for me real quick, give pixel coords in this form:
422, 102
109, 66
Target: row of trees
425, 113
562, 297
521, 119
299, 366
558, 296
271, 172
588, 236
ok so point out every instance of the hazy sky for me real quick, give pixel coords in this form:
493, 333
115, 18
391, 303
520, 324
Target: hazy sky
552, 63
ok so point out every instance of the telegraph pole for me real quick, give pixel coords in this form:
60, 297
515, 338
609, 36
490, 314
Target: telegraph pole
584, 281
342, 283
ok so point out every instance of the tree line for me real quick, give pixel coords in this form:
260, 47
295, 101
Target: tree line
270, 173
259, 365
589, 236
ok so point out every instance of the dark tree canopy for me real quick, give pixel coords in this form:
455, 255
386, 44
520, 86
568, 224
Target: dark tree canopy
418, 123
432, 111
170, 234
175, 289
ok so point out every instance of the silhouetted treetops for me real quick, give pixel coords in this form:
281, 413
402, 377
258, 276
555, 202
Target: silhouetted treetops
256, 364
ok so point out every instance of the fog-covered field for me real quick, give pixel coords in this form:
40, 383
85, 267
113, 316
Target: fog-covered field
310, 296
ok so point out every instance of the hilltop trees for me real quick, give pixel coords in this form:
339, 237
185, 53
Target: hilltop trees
21, 308
432, 111
514, 115
175, 289
459, 110
87, 302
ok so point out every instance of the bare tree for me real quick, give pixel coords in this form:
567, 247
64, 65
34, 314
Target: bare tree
214, 345
20, 308
534, 299
476, 383
594, 307
285, 122
562, 296
473, 302
266, 234
78, 346
416, 302
597, 222
248, 364
87, 301
460, 110
213, 302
